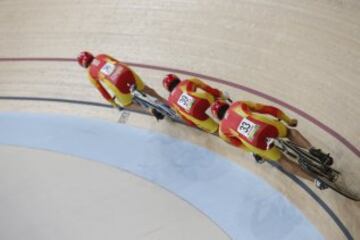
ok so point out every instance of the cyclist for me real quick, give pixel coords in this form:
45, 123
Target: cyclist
244, 124
114, 79
191, 99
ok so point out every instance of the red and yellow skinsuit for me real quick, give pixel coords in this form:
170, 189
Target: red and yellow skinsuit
244, 127
190, 99
113, 78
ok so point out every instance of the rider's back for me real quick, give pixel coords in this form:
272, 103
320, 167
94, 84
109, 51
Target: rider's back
115, 76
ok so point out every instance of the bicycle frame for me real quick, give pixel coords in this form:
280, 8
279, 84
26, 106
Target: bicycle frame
308, 162
149, 102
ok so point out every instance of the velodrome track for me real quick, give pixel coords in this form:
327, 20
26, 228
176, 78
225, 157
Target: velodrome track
303, 57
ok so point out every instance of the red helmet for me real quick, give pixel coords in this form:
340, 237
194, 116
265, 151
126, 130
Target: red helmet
84, 59
170, 81
218, 108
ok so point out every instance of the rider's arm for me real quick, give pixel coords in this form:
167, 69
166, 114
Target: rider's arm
103, 91
213, 91
188, 122
224, 137
175, 108
265, 109
233, 140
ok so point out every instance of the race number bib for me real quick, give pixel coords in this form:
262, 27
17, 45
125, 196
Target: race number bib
247, 128
186, 101
107, 69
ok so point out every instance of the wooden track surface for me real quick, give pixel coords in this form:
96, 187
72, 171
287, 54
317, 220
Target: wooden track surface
305, 53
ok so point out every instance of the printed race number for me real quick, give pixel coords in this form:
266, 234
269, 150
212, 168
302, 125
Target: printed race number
247, 128
186, 101
107, 69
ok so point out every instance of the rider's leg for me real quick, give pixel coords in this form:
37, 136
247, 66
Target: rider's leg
290, 166
296, 137
283, 131
126, 101
141, 86
276, 155
293, 168
208, 125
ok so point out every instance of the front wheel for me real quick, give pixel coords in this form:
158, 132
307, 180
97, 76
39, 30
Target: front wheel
331, 182
340, 189
313, 166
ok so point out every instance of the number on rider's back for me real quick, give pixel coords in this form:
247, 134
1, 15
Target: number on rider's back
107, 69
247, 128
186, 101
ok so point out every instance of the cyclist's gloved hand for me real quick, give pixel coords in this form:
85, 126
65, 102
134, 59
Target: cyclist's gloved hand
157, 114
293, 122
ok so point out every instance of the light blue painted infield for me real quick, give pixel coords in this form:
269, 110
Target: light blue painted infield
243, 205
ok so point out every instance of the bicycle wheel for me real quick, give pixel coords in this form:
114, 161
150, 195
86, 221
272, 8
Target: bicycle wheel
165, 110
340, 189
313, 167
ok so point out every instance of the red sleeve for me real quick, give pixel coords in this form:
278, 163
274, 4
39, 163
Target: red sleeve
103, 92
99, 87
228, 137
235, 141
274, 111
213, 91
264, 109
187, 121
